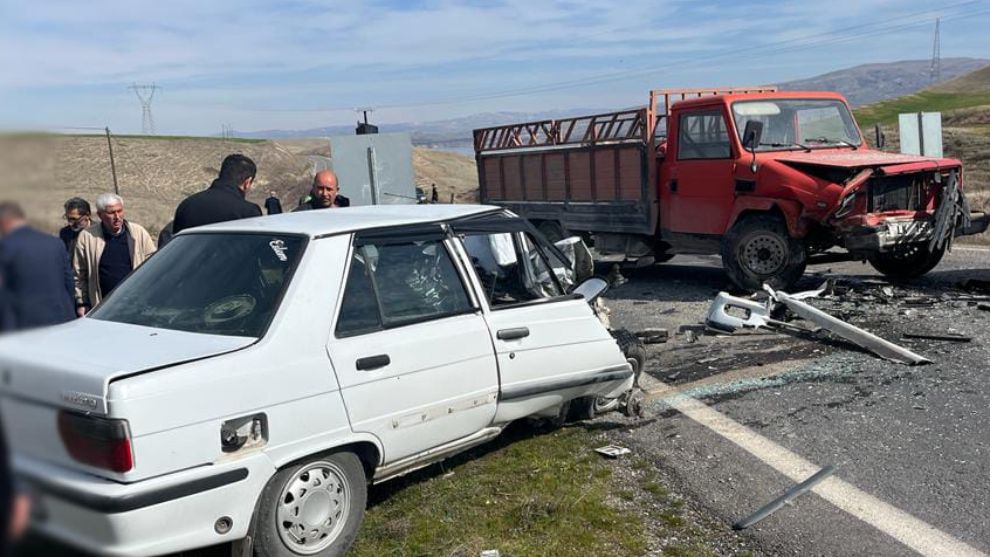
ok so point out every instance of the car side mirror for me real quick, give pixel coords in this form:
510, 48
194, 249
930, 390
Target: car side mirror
591, 289
752, 135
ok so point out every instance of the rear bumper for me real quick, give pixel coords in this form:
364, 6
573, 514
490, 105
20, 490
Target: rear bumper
159, 516
898, 232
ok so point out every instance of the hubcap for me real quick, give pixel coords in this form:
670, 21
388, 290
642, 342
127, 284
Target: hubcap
765, 254
313, 507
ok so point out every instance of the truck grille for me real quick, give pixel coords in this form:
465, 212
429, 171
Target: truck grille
910, 192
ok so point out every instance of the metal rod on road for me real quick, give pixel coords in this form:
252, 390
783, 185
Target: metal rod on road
779, 502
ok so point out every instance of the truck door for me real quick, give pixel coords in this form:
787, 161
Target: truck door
550, 346
411, 348
697, 179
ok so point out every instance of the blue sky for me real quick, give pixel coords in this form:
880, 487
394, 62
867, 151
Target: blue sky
304, 63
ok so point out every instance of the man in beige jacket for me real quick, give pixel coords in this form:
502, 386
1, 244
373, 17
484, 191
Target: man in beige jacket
106, 252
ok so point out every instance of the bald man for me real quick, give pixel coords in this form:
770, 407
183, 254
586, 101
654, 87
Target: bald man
324, 194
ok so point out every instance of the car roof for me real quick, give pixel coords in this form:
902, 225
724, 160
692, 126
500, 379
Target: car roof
326, 222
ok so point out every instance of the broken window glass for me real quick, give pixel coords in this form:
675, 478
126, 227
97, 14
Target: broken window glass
393, 284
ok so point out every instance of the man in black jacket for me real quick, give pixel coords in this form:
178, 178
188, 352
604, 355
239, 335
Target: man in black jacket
223, 200
324, 194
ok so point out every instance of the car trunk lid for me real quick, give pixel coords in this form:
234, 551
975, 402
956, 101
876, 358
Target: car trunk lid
71, 366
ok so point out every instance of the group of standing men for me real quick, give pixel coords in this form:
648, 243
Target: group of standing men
46, 280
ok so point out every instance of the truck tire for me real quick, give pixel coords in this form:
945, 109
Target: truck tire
314, 507
758, 249
635, 352
908, 263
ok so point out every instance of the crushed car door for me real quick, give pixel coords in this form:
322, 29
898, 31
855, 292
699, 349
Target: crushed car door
411, 348
550, 345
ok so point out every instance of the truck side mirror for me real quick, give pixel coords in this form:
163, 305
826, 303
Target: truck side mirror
751, 139
752, 135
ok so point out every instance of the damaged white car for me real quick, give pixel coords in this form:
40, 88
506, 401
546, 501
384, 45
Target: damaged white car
248, 382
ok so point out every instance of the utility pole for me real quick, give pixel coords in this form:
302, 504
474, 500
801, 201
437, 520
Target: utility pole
146, 94
113, 165
935, 73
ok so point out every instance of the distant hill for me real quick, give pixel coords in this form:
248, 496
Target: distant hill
870, 83
966, 91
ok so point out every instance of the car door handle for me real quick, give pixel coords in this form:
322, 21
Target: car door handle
513, 334
673, 185
372, 362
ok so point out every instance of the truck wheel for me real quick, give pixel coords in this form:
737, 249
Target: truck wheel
311, 508
907, 263
758, 250
635, 353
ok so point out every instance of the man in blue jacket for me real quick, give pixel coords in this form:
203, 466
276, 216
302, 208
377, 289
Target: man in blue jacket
36, 280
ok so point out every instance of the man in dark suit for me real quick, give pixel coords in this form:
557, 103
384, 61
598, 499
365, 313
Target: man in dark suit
223, 200
36, 281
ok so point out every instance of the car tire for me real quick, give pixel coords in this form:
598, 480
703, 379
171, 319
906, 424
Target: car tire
907, 263
759, 250
297, 509
635, 352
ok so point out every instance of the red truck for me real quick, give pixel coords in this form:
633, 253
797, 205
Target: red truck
768, 180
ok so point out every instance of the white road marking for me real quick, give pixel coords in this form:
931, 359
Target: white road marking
910, 531
970, 248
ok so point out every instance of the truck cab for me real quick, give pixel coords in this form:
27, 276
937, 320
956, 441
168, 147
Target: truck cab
768, 180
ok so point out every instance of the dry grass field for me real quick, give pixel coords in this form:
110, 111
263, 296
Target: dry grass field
155, 173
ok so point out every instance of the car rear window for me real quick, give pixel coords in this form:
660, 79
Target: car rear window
222, 284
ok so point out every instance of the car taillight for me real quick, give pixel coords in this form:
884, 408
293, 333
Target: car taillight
98, 442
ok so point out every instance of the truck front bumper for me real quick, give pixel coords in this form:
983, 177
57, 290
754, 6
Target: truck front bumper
160, 516
900, 231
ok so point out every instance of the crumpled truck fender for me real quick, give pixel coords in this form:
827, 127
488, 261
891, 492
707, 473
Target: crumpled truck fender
792, 211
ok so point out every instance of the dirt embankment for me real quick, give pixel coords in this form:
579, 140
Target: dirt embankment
155, 173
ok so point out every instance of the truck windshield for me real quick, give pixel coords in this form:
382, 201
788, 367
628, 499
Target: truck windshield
798, 123
222, 284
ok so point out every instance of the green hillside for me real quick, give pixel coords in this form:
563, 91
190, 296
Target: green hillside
967, 91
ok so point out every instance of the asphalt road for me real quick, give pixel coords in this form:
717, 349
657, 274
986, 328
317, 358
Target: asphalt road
910, 443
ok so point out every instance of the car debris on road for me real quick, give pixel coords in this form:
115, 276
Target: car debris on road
789, 495
728, 314
612, 451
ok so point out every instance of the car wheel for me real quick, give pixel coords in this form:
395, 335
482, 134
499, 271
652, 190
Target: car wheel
635, 352
907, 263
311, 508
758, 250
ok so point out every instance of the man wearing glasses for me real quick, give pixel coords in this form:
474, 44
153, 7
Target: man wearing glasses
77, 218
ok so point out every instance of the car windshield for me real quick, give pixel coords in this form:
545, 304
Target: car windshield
798, 123
223, 284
